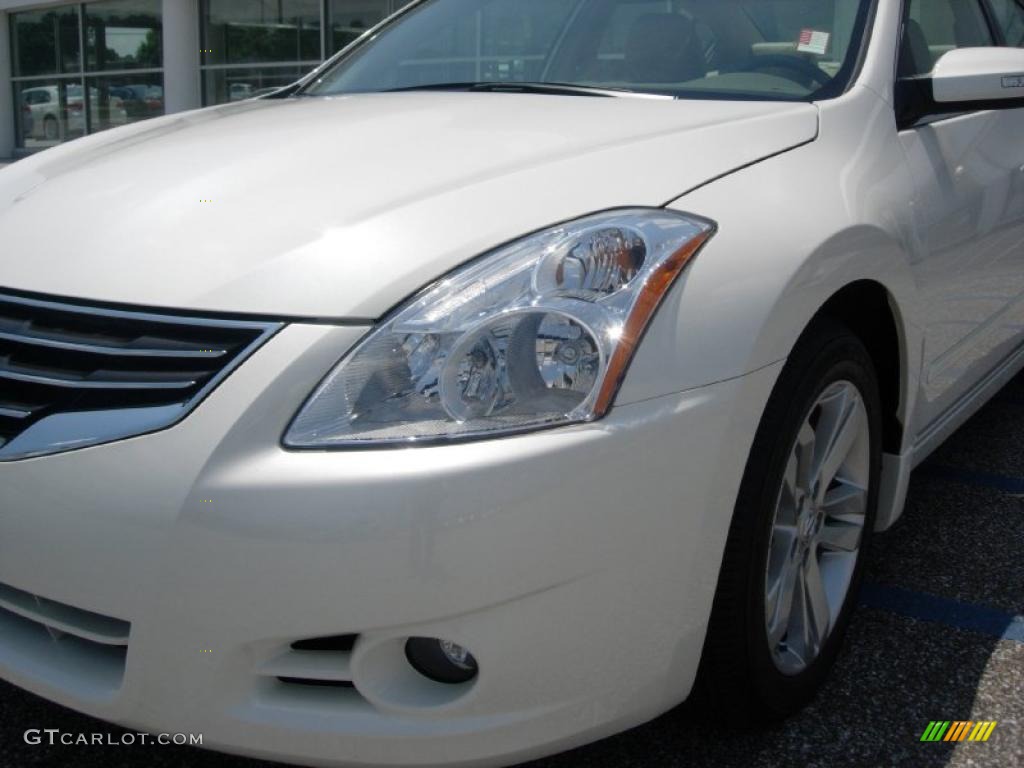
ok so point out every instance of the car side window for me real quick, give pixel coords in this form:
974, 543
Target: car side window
935, 27
1009, 17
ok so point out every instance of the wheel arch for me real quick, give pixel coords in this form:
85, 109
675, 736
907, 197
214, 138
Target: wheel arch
868, 309
875, 312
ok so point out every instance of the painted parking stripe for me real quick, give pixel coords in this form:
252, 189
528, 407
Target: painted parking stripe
971, 477
943, 610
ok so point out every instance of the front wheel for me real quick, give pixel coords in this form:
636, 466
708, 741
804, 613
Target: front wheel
803, 520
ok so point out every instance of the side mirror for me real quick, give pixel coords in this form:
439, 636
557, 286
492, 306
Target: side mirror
979, 74
963, 80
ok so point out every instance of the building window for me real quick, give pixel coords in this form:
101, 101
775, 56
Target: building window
350, 18
85, 67
123, 34
251, 47
46, 42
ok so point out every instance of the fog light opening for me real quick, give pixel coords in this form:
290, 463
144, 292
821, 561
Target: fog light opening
441, 660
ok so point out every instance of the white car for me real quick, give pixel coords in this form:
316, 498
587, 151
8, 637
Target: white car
42, 104
527, 368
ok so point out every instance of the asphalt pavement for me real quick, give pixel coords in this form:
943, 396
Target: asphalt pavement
938, 636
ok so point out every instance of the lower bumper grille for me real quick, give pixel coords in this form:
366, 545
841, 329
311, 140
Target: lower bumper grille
72, 375
318, 662
61, 645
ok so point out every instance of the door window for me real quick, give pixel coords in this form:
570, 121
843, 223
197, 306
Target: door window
1009, 17
935, 27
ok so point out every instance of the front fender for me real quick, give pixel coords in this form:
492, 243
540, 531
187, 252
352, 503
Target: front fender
793, 230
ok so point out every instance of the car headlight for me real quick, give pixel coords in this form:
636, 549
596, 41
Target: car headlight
535, 334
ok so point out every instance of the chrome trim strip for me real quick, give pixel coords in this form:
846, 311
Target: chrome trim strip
53, 381
14, 413
128, 314
39, 340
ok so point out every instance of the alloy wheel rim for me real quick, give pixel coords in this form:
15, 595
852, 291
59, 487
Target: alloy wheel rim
818, 527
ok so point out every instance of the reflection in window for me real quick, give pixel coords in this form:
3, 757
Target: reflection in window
123, 34
116, 101
491, 41
1010, 19
50, 111
246, 37
351, 18
949, 24
59, 87
237, 84
46, 42
256, 31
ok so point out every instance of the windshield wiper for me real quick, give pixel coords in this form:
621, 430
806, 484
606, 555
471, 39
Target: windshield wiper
556, 89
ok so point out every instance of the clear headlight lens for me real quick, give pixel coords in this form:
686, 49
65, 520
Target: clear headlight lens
535, 334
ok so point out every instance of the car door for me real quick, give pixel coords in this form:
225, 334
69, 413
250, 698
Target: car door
969, 175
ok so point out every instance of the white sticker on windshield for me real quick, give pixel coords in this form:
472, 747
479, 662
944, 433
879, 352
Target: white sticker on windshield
813, 41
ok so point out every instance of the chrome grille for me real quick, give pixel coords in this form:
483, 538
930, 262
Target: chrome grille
72, 375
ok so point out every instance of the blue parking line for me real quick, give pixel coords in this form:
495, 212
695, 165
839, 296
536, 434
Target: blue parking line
971, 477
943, 610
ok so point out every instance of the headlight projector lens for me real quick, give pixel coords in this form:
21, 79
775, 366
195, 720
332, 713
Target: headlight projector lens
524, 363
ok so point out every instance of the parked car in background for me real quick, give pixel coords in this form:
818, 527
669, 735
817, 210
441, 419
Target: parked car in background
557, 361
138, 102
46, 119
239, 91
42, 103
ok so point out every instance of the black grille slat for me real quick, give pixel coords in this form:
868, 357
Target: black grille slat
59, 359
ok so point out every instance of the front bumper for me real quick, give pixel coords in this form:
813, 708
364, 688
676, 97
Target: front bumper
578, 565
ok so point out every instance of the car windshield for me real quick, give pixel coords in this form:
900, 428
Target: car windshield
727, 49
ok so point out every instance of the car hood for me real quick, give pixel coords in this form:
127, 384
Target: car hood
342, 207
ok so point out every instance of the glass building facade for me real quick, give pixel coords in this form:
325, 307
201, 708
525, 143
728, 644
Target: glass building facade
251, 47
84, 67
79, 68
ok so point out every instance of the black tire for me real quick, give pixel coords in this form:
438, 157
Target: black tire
737, 674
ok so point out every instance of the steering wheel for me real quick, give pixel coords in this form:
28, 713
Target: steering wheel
799, 68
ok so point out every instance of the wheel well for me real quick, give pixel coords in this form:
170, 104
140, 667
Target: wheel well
864, 307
